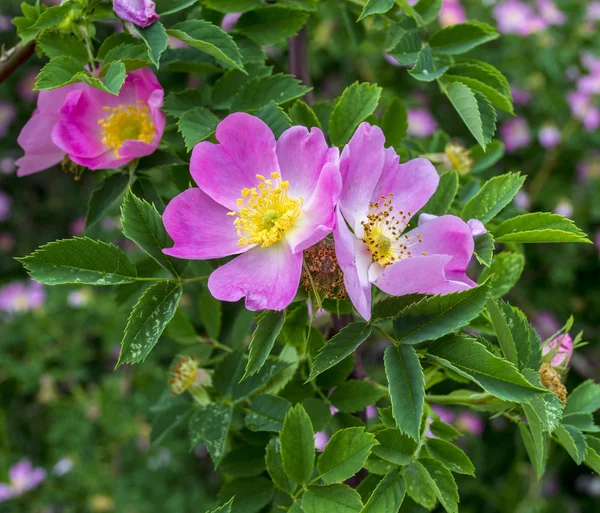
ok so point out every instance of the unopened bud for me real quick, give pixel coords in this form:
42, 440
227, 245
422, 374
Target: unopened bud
551, 380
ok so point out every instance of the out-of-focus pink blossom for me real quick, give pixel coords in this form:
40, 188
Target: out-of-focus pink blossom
391, 60
79, 298
514, 17
26, 84
8, 114
230, 20
546, 324
23, 477
515, 134
589, 84
321, 439
21, 296
549, 136
469, 422
421, 123
520, 96
522, 200
7, 242
63, 466
564, 208
77, 227
176, 43
5, 206
591, 62
139, 12
593, 11
550, 13
7, 165
371, 412
445, 414
591, 120
451, 13
560, 349
5, 24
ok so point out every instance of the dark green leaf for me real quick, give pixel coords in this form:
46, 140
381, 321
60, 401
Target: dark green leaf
441, 201
394, 446
484, 249
504, 272
395, 123
462, 37
209, 425
444, 485
271, 25
302, 114
573, 441
267, 413
104, 196
156, 40
263, 339
259, 92
484, 159
177, 104
275, 117
275, 467
376, 7
249, 495
337, 498
584, 399
298, 445
427, 68
388, 496
450, 456
355, 395
196, 125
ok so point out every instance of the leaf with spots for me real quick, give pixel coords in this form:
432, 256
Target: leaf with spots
209, 425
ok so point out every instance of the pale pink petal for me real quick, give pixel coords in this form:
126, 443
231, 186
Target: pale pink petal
317, 218
246, 149
267, 277
361, 165
302, 155
200, 227
6, 492
140, 12
354, 259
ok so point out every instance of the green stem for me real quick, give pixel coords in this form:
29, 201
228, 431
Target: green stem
395, 342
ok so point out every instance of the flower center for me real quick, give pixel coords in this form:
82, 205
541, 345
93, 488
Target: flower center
266, 212
383, 232
126, 123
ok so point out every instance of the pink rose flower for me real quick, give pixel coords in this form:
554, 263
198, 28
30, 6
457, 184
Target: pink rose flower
469, 422
550, 13
421, 123
560, 349
378, 199
95, 129
451, 13
593, 11
264, 199
19, 296
139, 12
515, 134
520, 96
23, 477
321, 439
549, 136
513, 16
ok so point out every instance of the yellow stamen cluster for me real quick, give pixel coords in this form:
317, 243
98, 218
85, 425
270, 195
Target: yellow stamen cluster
183, 374
266, 212
126, 123
459, 157
383, 232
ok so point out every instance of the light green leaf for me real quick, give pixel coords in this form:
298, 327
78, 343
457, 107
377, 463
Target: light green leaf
197, 125
395, 123
429, 10
407, 45
153, 311
450, 456
143, 225
209, 425
57, 44
337, 498
345, 454
388, 496
496, 98
539, 227
462, 37
260, 91
467, 105
275, 467
225, 508
267, 413
444, 485
441, 201
104, 196
536, 445
407, 388
356, 104
484, 159
271, 25
133, 56
298, 445
470, 359
302, 114
165, 7
79, 261
156, 40
263, 340
573, 441
504, 272
444, 431
394, 446
341, 345
435, 316
584, 399
376, 7
427, 68
492, 198
419, 485
177, 104
356, 394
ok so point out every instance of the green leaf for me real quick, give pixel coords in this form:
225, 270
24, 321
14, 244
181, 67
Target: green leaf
244, 461
356, 104
302, 114
104, 196
114, 41
210, 39
395, 123
441, 201
505, 320
165, 7
345, 454
210, 313
582, 421
376, 7
504, 272
429, 10
444, 431
143, 225
493, 197
427, 69
250, 495
225, 508
275, 117
209, 425
356, 394
539, 227
62, 71
407, 45
536, 444
450, 456
496, 98
267, 413
388, 496
419, 485
337, 498
177, 104
484, 249
181, 330
153, 311
263, 340
435, 316
271, 25
275, 467
584, 399
462, 37
298, 445
133, 56
156, 40
318, 411
470, 359
407, 388
57, 44
49, 18
573, 441
394, 446
484, 159
79, 261
197, 125
341, 345
232, 6
260, 91
444, 485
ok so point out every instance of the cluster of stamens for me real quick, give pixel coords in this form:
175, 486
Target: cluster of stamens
322, 271
383, 232
266, 212
183, 374
126, 123
69, 167
459, 157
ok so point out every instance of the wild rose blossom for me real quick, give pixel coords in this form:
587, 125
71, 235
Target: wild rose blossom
515, 134
21, 297
263, 199
421, 123
451, 13
23, 477
549, 136
559, 350
379, 197
95, 129
550, 12
139, 12
520, 96
471, 423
